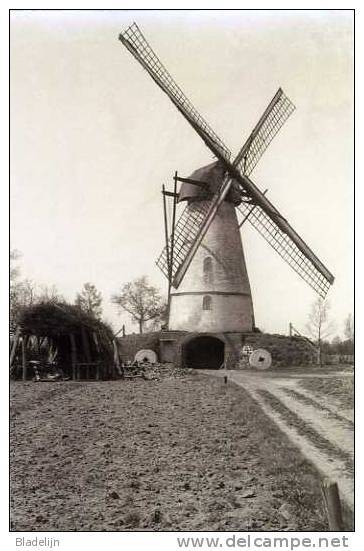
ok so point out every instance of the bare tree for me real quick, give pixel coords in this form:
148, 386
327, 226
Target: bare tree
90, 300
349, 328
141, 300
159, 321
319, 325
14, 269
22, 294
336, 343
49, 293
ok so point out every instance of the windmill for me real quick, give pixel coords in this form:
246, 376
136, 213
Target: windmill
203, 257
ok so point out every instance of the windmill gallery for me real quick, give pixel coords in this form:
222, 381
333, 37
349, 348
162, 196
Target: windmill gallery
210, 307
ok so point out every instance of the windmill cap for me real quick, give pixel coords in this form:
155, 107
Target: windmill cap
211, 176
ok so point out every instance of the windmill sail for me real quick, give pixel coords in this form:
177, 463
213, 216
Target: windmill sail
261, 201
134, 40
287, 249
272, 120
195, 226
265, 217
186, 230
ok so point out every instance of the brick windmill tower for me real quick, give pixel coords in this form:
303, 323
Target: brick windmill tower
203, 257
214, 295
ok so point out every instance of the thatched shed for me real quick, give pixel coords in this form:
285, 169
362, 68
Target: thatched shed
57, 335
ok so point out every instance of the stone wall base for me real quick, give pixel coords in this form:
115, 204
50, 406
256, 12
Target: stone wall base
169, 346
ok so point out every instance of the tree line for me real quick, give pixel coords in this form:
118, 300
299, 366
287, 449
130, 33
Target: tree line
321, 328
141, 300
148, 308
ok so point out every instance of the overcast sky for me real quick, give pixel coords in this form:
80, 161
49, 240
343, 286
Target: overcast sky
93, 139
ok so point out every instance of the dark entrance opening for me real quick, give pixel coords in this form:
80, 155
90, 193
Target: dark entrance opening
204, 353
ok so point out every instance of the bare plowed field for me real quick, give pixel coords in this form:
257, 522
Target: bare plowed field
186, 453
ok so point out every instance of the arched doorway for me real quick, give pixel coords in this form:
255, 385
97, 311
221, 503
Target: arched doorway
203, 352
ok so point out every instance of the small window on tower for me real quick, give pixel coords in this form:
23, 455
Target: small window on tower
207, 270
207, 303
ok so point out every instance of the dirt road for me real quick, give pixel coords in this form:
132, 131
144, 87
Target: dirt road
316, 423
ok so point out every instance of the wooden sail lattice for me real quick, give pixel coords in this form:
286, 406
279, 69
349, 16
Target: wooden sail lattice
186, 229
134, 41
285, 247
191, 228
272, 120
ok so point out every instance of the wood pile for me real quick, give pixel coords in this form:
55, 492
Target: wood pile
153, 372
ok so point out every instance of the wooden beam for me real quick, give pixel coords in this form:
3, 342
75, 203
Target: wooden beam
14, 347
192, 182
73, 355
175, 195
330, 494
121, 330
24, 341
86, 344
166, 235
250, 212
119, 367
174, 217
96, 340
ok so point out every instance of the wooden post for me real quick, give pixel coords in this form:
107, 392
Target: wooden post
174, 215
24, 356
99, 335
14, 347
96, 341
86, 345
73, 355
169, 266
166, 229
117, 359
171, 258
330, 494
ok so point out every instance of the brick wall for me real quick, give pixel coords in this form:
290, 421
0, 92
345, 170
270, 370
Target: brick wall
130, 344
285, 351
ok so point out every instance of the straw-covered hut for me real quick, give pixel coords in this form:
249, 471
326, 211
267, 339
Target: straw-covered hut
60, 337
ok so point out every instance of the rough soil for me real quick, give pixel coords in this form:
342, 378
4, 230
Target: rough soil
187, 453
315, 410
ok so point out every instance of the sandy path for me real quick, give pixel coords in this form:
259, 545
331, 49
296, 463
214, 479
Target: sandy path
321, 401
329, 427
333, 426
